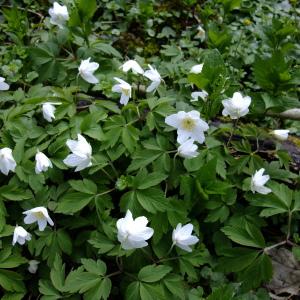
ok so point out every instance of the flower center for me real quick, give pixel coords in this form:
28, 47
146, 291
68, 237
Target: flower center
39, 215
188, 124
126, 92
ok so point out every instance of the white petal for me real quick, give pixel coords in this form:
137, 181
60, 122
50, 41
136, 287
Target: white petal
173, 120
42, 224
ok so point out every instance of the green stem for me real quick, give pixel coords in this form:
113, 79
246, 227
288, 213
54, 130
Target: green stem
106, 192
289, 225
232, 131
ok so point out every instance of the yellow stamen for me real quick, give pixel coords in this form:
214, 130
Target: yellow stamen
39, 215
188, 124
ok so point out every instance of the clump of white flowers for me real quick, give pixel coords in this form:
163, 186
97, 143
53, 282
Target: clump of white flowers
281, 134
87, 69
183, 238
3, 85
59, 15
20, 236
132, 65
188, 125
133, 233
237, 106
124, 89
7, 162
39, 215
48, 109
81, 154
42, 163
258, 181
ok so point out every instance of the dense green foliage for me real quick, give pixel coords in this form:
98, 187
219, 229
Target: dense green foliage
249, 46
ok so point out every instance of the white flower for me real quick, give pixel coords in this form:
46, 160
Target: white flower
281, 134
132, 65
48, 109
189, 125
81, 154
59, 15
20, 236
183, 238
124, 88
154, 76
39, 215
202, 94
188, 149
33, 266
197, 69
42, 162
201, 33
237, 106
258, 181
132, 234
7, 162
3, 85
86, 70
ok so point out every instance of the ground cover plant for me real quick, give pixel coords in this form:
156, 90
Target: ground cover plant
149, 149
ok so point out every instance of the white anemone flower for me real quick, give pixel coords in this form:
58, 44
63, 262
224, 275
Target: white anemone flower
124, 88
132, 65
20, 236
196, 69
155, 77
59, 15
3, 85
189, 125
237, 106
188, 149
39, 215
183, 238
81, 154
133, 233
258, 181
42, 163
87, 69
33, 266
48, 109
7, 162
201, 94
281, 134
200, 34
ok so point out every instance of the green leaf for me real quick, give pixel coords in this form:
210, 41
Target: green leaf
87, 8
174, 284
11, 281
142, 158
72, 202
247, 235
95, 267
84, 186
144, 181
57, 273
153, 273
133, 291
224, 292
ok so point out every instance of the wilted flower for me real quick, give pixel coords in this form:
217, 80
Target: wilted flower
39, 215
132, 234
59, 15
188, 149
3, 85
124, 88
33, 266
81, 154
258, 181
87, 69
197, 69
237, 106
42, 162
201, 33
132, 65
183, 238
48, 109
189, 125
202, 94
281, 134
20, 236
7, 162
154, 76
